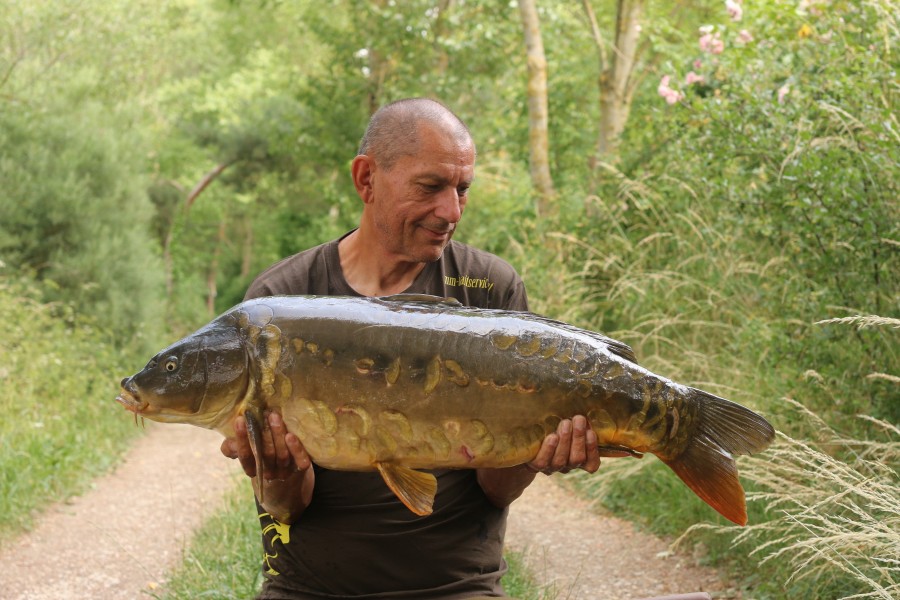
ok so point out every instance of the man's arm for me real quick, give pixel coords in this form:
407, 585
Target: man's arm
287, 475
573, 446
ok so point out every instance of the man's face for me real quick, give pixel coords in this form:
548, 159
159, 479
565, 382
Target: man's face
420, 199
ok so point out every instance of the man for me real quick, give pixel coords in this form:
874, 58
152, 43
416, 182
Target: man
331, 534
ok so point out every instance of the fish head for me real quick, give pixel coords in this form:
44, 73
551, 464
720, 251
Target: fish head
199, 379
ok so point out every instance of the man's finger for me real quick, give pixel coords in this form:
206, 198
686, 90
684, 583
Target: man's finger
298, 452
578, 452
228, 448
544, 457
592, 463
242, 444
561, 457
282, 455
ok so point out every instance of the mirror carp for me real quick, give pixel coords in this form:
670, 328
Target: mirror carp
406, 383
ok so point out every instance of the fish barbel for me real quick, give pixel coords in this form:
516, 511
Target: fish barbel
405, 383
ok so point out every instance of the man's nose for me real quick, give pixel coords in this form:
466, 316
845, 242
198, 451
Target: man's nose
449, 207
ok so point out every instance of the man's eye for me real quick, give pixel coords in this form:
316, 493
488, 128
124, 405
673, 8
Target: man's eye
462, 191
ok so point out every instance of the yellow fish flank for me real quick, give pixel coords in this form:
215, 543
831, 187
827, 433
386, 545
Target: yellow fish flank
407, 383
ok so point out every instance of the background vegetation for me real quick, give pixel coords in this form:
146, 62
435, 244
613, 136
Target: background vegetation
155, 158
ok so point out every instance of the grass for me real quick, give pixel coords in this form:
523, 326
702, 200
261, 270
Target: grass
701, 305
59, 425
834, 506
223, 559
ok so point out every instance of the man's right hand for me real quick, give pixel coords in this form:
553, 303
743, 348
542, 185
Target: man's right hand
287, 475
283, 454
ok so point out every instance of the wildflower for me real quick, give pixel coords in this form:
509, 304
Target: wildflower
745, 36
692, 77
783, 91
735, 11
711, 43
671, 96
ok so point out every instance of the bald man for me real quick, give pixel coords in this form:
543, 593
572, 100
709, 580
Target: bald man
334, 534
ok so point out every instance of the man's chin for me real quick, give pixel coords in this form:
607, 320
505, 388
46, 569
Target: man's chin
433, 248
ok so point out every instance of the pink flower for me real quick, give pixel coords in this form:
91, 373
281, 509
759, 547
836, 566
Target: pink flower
711, 43
783, 91
698, 64
735, 11
745, 36
692, 77
671, 96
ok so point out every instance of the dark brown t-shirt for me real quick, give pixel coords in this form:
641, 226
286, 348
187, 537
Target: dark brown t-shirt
356, 540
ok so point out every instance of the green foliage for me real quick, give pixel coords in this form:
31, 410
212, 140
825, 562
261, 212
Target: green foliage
59, 425
75, 216
761, 203
730, 224
779, 212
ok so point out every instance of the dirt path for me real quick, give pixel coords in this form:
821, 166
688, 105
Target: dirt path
121, 537
580, 554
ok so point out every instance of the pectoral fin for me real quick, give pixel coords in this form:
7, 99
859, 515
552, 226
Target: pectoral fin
254, 433
613, 451
415, 489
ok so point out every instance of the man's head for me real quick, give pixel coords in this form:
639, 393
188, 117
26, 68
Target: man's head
393, 130
414, 168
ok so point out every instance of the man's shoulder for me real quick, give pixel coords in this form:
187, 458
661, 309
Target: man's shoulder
293, 275
464, 254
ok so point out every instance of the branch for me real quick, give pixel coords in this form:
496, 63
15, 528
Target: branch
203, 183
595, 33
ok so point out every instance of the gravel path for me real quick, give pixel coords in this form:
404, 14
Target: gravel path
120, 538
580, 554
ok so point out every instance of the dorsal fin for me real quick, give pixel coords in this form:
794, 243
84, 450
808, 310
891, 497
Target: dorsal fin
620, 349
422, 298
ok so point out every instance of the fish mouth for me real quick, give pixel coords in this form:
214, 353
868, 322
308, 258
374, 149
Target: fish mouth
130, 402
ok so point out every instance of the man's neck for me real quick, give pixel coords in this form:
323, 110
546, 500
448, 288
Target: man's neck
371, 271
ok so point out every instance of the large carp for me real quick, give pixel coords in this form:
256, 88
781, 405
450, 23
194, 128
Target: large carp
404, 383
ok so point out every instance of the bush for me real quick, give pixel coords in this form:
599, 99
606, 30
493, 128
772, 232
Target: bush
60, 427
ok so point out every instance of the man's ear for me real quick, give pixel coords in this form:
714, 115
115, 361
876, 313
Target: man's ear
362, 169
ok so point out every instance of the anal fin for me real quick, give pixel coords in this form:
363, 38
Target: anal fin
415, 489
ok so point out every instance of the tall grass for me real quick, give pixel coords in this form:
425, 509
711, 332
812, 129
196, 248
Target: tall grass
59, 426
706, 304
834, 509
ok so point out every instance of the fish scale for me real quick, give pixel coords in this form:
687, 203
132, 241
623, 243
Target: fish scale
405, 384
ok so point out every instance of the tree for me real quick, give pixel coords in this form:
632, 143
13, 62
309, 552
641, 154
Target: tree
74, 214
538, 117
616, 82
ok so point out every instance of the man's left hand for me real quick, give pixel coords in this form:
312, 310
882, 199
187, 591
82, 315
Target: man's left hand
572, 446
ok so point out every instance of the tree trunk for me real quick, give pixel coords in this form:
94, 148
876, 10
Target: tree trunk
616, 82
213, 274
538, 119
247, 254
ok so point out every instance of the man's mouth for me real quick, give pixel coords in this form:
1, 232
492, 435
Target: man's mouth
438, 232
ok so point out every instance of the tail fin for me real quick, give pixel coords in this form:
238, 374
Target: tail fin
723, 429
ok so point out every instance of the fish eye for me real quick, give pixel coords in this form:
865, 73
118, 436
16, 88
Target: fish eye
171, 364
